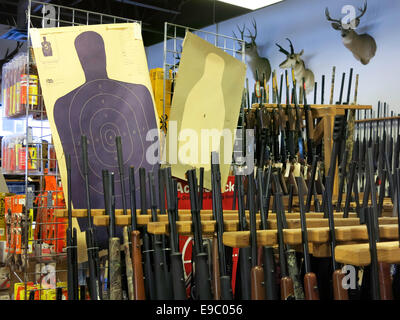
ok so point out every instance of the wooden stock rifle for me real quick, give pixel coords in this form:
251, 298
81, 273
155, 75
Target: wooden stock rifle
202, 276
94, 284
310, 279
72, 244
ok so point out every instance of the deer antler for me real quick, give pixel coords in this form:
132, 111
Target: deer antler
363, 10
253, 38
328, 17
291, 46
282, 50
241, 32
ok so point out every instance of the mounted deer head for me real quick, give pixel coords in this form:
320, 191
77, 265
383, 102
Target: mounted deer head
254, 61
293, 61
363, 46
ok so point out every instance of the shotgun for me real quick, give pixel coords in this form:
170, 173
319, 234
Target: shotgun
332, 85
311, 184
161, 284
287, 288
256, 272
202, 277
92, 249
309, 128
267, 252
150, 285
178, 278
114, 255
339, 293
126, 242
244, 264
310, 279
136, 252
225, 281
370, 218
341, 89
72, 248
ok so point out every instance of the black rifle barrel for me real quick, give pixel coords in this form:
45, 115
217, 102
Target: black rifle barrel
132, 197
178, 278
72, 249
121, 172
226, 289
311, 184
143, 197
92, 249
202, 278
304, 235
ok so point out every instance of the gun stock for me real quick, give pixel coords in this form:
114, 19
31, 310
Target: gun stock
257, 278
138, 280
311, 286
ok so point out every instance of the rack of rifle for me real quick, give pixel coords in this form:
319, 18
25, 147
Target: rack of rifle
289, 134
264, 231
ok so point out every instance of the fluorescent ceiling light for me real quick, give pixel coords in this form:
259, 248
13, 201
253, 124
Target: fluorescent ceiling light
251, 4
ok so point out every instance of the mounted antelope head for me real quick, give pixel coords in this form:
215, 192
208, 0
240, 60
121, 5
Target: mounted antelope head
254, 61
363, 46
293, 61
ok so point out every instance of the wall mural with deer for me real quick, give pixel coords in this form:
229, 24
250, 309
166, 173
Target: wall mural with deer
359, 34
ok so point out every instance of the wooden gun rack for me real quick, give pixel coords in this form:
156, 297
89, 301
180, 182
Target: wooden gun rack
351, 237
324, 128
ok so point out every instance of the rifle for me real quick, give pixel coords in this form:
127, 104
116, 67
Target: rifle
92, 249
72, 245
160, 268
244, 253
332, 85
341, 89
127, 244
309, 127
311, 184
202, 278
361, 155
113, 241
201, 187
291, 122
396, 152
287, 288
339, 293
267, 252
256, 272
178, 278
390, 146
373, 232
136, 253
315, 92
349, 88
226, 290
350, 185
150, 286
310, 279
298, 120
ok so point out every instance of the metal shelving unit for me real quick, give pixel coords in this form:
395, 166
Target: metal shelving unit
43, 258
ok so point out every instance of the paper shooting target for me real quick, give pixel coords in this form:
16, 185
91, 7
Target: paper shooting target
102, 109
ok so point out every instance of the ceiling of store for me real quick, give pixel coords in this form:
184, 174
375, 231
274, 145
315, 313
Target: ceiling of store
153, 13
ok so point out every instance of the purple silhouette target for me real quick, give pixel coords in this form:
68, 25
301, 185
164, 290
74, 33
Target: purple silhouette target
102, 109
